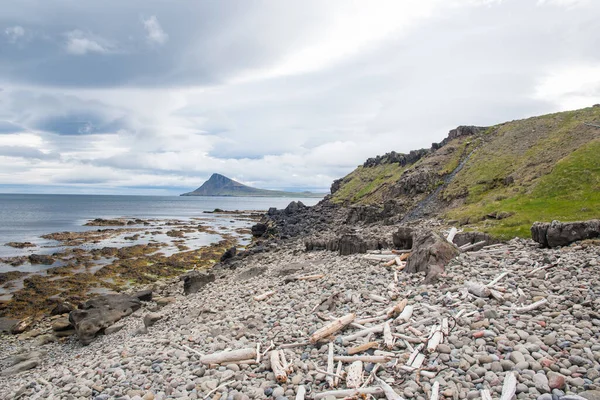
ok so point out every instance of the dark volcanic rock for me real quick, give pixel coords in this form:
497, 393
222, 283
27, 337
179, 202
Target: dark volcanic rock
559, 233
143, 295
367, 214
403, 238
194, 281
463, 238
101, 312
259, 229
229, 254
335, 186
429, 249
351, 244
62, 308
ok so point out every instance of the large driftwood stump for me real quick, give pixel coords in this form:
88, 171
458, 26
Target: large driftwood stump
430, 249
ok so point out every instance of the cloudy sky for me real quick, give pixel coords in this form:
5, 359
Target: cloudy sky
151, 97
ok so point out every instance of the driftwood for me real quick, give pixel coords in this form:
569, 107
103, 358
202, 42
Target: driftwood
451, 234
471, 246
408, 339
364, 332
371, 319
264, 296
406, 314
436, 338
332, 327
378, 298
509, 386
486, 395
531, 307
229, 356
362, 347
367, 359
478, 289
330, 365
435, 391
373, 391
388, 339
301, 393
497, 279
397, 309
338, 375
354, 375
390, 394
278, 366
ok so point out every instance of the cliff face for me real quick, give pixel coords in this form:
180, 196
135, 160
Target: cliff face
498, 179
220, 185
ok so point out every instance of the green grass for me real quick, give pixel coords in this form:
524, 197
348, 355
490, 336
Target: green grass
570, 192
363, 183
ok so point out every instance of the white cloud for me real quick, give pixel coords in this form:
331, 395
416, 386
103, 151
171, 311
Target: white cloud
571, 87
154, 31
14, 33
80, 43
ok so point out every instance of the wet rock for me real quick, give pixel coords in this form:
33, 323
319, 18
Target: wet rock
194, 281
101, 312
229, 254
558, 233
259, 229
41, 259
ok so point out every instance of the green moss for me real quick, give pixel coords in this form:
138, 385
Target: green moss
571, 191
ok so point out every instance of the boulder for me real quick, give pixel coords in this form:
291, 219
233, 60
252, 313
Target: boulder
152, 318
6, 324
430, 249
62, 308
99, 313
22, 362
229, 253
351, 244
367, 214
403, 238
194, 281
559, 233
143, 295
22, 325
61, 324
294, 207
259, 229
463, 238
41, 259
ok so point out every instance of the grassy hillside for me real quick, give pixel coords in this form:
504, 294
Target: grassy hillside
536, 169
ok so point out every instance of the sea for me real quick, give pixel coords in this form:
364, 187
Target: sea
26, 217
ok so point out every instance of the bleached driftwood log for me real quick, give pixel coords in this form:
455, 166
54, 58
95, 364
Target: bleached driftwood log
531, 307
354, 375
338, 375
451, 234
378, 298
388, 339
477, 289
330, 365
301, 393
310, 277
364, 332
264, 296
408, 339
332, 327
497, 279
486, 395
471, 246
278, 366
229, 356
362, 347
397, 309
435, 391
509, 386
406, 314
390, 394
436, 338
340, 394
371, 319
368, 359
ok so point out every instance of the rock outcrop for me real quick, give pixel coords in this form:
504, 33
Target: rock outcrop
430, 249
403, 238
559, 233
194, 281
99, 313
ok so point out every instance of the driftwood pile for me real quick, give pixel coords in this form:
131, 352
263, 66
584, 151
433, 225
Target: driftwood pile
375, 339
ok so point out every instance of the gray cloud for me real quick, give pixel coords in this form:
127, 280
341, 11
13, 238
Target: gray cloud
276, 94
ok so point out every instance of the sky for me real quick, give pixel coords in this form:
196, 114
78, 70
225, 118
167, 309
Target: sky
152, 97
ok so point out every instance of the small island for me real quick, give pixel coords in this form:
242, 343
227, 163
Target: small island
220, 185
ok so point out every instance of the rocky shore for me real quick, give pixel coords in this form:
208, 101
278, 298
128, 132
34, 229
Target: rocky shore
501, 317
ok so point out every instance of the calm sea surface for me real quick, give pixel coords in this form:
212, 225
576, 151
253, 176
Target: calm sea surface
25, 217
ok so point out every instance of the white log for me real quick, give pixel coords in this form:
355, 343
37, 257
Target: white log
384, 353
451, 234
435, 391
330, 365
445, 327
373, 391
477, 289
435, 341
229, 356
372, 319
409, 339
406, 314
486, 395
368, 359
471, 246
414, 354
264, 296
398, 261
428, 374
496, 295
418, 362
359, 334
378, 298
332, 327
277, 366
388, 339
531, 307
497, 279
310, 277
509, 387
301, 393
390, 394
338, 375
354, 375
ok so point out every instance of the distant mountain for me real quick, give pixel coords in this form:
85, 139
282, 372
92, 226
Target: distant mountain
219, 185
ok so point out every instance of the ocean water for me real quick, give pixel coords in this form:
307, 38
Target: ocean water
26, 217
